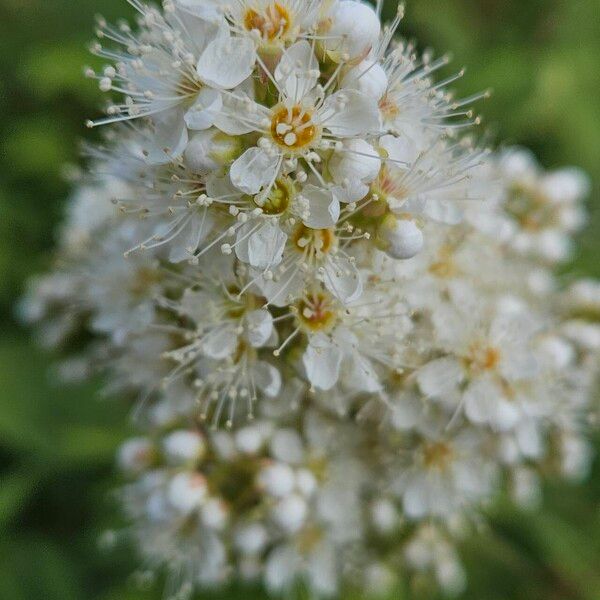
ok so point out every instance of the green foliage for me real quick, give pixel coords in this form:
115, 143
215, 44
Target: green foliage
57, 443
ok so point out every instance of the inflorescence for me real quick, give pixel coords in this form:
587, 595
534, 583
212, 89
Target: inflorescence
334, 309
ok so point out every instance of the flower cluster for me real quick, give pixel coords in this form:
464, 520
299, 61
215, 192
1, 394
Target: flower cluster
334, 311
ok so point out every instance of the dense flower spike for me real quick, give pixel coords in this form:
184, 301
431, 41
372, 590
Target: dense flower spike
333, 310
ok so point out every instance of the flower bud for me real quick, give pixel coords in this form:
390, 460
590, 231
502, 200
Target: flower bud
214, 514
400, 238
251, 539
354, 31
368, 77
290, 513
306, 483
135, 455
384, 516
208, 150
187, 491
277, 479
249, 440
183, 447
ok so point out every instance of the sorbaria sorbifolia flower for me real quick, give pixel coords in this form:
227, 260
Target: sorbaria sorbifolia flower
333, 308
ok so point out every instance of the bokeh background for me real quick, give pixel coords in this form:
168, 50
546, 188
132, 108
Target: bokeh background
542, 59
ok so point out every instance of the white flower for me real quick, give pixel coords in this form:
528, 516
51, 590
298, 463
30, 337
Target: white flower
222, 347
166, 73
445, 475
546, 207
304, 120
486, 367
272, 25
295, 231
346, 343
353, 167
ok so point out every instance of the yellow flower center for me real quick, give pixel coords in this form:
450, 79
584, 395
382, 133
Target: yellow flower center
271, 22
314, 241
389, 109
437, 455
483, 358
279, 198
316, 313
293, 128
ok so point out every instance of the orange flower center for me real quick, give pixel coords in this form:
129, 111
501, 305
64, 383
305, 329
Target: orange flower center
437, 455
271, 22
483, 358
316, 313
293, 128
313, 241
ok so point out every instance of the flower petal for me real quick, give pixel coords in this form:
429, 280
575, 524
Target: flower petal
220, 343
260, 327
348, 113
203, 112
343, 280
298, 71
322, 361
323, 207
169, 140
227, 61
254, 170
267, 378
439, 377
265, 247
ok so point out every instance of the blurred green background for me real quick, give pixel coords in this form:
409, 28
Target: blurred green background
541, 57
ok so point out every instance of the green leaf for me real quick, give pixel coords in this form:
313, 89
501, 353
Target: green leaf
15, 490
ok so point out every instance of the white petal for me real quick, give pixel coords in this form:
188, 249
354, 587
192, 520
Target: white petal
407, 411
343, 280
277, 291
184, 246
348, 113
359, 375
227, 61
324, 207
267, 378
220, 343
170, 138
415, 500
439, 377
400, 149
239, 115
204, 9
351, 191
356, 160
265, 247
254, 170
203, 112
485, 402
260, 327
322, 361
298, 70
443, 212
